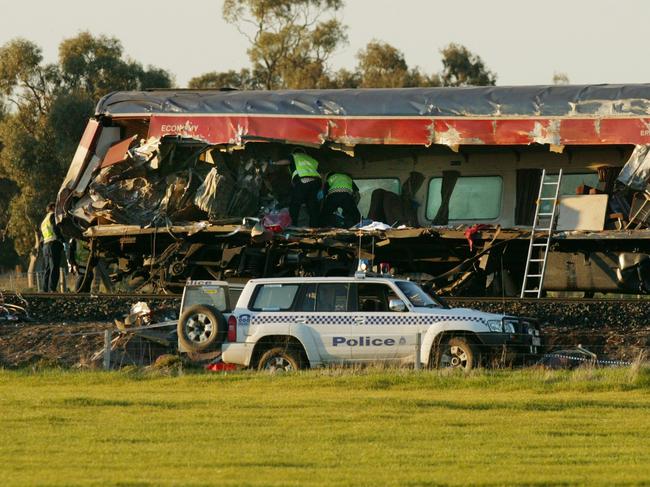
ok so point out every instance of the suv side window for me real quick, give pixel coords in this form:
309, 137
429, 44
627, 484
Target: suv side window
306, 298
274, 297
332, 297
374, 297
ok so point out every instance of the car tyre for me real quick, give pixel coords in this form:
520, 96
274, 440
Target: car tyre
457, 353
201, 327
280, 359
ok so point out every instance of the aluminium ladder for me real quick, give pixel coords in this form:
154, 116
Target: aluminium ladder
543, 224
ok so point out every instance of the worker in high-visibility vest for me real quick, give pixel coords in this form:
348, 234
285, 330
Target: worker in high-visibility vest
305, 185
340, 205
52, 250
81, 264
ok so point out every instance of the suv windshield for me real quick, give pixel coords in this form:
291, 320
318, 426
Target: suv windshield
416, 295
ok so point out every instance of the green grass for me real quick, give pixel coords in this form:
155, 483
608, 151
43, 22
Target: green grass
328, 427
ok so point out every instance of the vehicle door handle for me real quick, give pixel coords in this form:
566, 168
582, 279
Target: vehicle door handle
300, 321
359, 320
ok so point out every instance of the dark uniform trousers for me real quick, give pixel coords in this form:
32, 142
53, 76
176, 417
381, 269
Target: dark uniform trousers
305, 193
345, 201
51, 263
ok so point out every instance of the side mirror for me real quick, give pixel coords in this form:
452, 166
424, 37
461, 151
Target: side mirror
396, 305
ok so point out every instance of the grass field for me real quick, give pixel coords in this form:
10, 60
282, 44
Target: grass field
328, 427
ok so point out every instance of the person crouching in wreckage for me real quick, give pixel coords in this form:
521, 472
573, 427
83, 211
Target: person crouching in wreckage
340, 205
305, 185
80, 264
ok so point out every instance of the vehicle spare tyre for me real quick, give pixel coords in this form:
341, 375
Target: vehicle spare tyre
201, 327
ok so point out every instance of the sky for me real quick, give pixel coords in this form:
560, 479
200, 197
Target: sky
523, 42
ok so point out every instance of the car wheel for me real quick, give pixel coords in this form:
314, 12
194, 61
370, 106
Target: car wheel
457, 353
201, 327
280, 359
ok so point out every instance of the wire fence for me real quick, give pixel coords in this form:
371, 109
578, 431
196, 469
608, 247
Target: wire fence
417, 351
24, 282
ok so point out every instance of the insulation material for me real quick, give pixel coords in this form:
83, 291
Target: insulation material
84, 209
132, 201
245, 200
148, 152
214, 194
636, 172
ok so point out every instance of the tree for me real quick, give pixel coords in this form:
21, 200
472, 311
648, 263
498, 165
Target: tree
345, 78
560, 78
291, 41
49, 106
27, 158
96, 66
381, 66
242, 80
463, 68
384, 66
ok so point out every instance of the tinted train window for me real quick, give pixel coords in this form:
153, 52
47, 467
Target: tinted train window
571, 182
568, 187
367, 186
474, 198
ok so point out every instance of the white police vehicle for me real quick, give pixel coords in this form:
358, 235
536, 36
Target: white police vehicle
293, 323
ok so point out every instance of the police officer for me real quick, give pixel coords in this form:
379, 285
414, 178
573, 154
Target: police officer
340, 207
305, 183
52, 250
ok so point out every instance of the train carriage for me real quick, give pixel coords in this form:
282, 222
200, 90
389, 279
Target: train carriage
171, 185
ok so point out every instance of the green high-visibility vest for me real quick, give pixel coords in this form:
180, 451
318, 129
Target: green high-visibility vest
82, 253
47, 229
306, 166
340, 181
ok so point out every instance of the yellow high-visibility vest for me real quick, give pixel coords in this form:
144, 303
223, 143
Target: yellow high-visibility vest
47, 228
306, 166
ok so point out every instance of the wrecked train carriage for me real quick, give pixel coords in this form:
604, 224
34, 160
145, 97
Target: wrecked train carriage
162, 180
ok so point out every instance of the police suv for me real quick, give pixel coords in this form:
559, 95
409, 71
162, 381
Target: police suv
293, 323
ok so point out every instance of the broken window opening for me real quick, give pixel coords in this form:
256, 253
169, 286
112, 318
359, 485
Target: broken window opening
368, 185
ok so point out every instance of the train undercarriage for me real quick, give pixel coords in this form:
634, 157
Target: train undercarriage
452, 262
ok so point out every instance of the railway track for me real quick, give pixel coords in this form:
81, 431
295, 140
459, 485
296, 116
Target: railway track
449, 299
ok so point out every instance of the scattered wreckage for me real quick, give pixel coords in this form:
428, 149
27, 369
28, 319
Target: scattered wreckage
174, 185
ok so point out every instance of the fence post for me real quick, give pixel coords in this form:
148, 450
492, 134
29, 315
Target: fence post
107, 349
418, 346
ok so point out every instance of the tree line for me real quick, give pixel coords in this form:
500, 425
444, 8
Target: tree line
44, 107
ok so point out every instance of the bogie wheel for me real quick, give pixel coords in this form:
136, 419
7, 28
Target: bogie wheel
280, 359
201, 327
457, 353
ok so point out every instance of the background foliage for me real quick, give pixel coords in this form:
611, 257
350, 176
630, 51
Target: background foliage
44, 107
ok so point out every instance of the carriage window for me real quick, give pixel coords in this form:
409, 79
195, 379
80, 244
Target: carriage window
474, 198
571, 182
367, 186
569, 185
